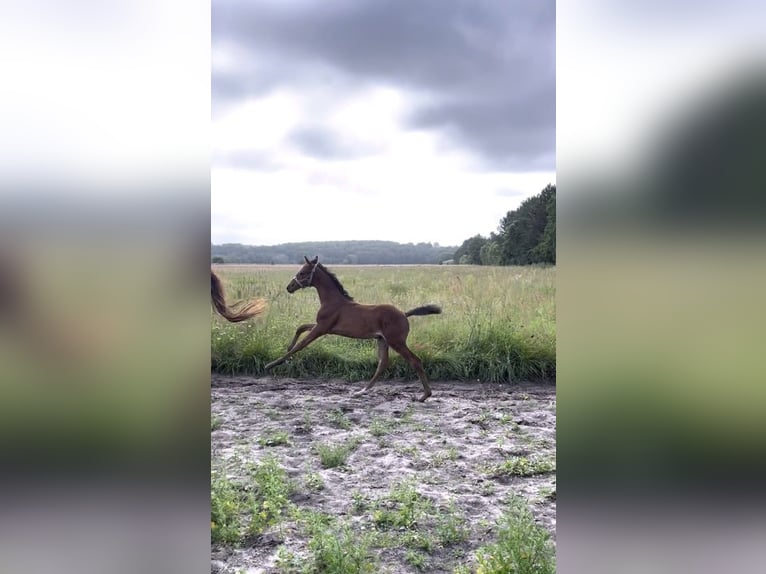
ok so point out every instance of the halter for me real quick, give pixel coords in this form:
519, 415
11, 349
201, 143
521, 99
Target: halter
311, 277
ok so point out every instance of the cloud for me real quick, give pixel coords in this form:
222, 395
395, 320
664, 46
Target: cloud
323, 143
480, 74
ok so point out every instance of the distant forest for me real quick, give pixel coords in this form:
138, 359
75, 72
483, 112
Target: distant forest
335, 252
524, 236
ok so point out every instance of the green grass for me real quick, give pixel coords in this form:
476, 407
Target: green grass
246, 507
497, 325
522, 547
335, 455
340, 550
521, 466
275, 438
334, 547
441, 458
313, 482
381, 427
338, 419
403, 508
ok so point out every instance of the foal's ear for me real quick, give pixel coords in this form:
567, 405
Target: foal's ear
315, 260
307, 259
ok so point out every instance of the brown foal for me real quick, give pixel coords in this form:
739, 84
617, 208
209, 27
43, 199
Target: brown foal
340, 315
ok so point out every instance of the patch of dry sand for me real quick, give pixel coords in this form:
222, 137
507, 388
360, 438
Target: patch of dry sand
445, 445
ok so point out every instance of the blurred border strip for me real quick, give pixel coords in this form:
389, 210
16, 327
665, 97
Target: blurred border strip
661, 127
104, 312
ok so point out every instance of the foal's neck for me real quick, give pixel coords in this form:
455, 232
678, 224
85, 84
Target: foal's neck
326, 288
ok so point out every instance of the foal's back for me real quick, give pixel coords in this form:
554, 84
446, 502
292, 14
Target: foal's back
368, 321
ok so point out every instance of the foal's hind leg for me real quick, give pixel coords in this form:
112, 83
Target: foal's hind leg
401, 348
382, 364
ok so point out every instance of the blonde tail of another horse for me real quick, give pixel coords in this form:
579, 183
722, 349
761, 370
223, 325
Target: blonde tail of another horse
245, 311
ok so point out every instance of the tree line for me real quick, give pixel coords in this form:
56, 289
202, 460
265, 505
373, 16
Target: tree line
334, 252
525, 235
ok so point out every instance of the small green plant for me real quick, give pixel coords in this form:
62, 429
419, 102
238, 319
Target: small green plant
307, 422
440, 458
339, 550
287, 562
359, 502
410, 450
416, 559
506, 418
380, 427
339, 419
417, 540
226, 507
271, 491
332, 456
451, 528
312, 521
487, 488
521, 466
402, 508
482, 420
215, 422
313, 482
522, 546
275, 438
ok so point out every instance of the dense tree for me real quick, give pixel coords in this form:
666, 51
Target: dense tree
527, 234
469, 253
545, 251
490, 252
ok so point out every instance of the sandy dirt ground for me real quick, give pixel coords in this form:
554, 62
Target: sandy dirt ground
449, 447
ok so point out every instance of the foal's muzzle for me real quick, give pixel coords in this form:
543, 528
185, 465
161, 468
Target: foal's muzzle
293, 286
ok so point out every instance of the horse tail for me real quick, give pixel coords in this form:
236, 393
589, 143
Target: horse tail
424, 310
250, 309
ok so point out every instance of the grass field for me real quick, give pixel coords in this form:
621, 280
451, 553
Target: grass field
308, 479
498, 323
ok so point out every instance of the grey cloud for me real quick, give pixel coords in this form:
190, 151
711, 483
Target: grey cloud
487, 67
323, 143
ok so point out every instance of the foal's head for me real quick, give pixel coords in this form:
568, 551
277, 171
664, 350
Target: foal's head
305, 275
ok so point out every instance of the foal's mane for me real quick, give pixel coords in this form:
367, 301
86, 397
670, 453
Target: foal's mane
336, 282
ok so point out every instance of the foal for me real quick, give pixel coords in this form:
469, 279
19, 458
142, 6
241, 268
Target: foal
339, 315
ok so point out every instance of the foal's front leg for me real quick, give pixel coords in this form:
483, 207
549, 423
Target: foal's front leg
302, 329
305, 342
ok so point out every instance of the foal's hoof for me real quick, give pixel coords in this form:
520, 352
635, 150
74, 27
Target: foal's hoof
359, 393
421, 398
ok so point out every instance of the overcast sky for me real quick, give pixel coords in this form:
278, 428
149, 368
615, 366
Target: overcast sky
394, 120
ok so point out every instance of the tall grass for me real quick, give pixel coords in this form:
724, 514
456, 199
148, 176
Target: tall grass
497, 325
